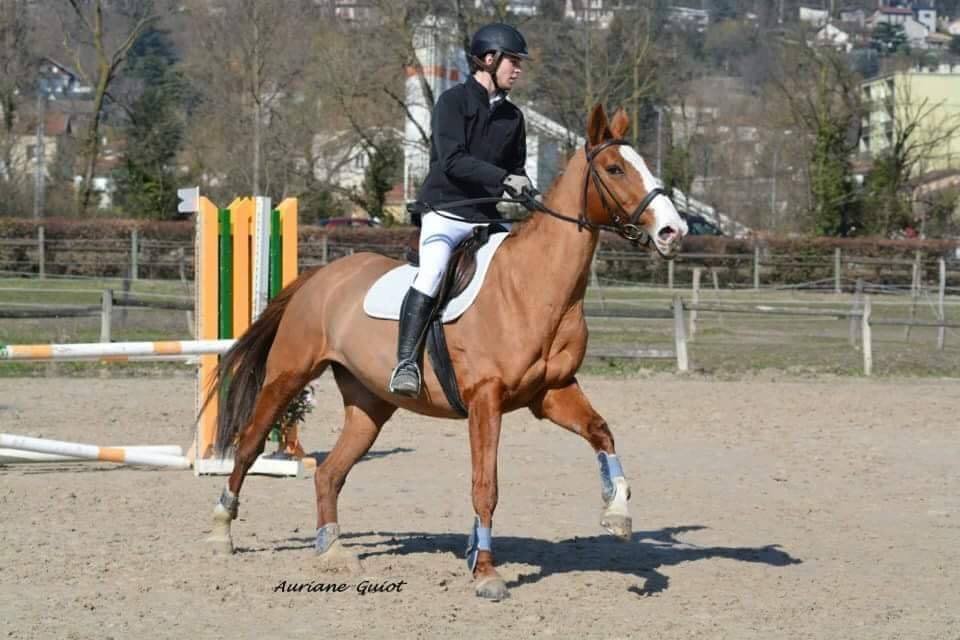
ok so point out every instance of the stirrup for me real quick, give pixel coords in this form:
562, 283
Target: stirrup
405, 367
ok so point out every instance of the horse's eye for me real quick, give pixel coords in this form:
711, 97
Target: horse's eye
614, 170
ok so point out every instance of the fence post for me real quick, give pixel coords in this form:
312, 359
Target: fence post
106, 309
41, 251
323, 249
867, 338
915, 285
595, 281
941, 331
670, 269
716, 280
679, 334
836, 270
125, 290
696, 300
756, 268
134, 254
914, 295
857, 303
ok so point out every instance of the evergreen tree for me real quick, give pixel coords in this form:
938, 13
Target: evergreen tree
147, 181
383, 171
723, 10
831, 181
889, 39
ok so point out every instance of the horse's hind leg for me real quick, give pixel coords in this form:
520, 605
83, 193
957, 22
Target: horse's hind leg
280, 387
568, 407
364, 415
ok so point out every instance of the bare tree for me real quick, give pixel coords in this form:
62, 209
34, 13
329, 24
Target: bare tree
250, 67
580, 65
15, 59
919, 129
15, 85
88, 30
822, 94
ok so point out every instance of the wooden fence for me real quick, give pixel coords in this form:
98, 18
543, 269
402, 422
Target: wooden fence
684, 315
140, 257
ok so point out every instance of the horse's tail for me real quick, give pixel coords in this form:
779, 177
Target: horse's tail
242, 369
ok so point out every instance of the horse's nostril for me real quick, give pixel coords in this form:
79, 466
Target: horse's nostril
666, 233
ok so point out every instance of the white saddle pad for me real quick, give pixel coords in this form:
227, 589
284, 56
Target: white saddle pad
384, 298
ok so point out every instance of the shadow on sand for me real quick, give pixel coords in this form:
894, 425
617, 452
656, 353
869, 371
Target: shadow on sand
648, 552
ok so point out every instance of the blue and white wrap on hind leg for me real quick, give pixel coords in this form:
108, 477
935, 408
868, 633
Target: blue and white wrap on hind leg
612, 479
614, 489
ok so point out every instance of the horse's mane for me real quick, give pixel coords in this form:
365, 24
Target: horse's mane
521, 227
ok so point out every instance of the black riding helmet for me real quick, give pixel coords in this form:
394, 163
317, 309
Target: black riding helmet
499, 39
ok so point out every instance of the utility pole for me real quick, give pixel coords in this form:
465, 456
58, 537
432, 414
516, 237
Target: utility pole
39, 152
659, 110
773, 189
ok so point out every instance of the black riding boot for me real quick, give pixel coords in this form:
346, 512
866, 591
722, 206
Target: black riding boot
414, 315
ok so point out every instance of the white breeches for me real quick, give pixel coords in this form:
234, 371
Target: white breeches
438, 238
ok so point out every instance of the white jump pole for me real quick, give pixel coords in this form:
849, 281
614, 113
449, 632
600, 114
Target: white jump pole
116, 351
18, 456
93, 452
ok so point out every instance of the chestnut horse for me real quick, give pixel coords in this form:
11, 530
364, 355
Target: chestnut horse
519, 345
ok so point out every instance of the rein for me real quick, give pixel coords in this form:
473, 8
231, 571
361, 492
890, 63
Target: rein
624, 224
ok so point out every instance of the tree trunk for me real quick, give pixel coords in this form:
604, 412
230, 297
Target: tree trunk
92, 142
257, 107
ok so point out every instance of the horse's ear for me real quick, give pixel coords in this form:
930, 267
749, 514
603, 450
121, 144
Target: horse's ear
620, 123
598, 128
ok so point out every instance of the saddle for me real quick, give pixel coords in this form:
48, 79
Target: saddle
463, 262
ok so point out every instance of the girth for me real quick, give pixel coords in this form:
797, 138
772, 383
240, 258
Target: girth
460, 271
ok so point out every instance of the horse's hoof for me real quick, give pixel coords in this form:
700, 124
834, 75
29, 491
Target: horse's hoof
492, 588
338, 558
220, 545
618, 526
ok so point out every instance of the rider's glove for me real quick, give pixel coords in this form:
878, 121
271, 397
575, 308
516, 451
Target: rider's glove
516, 185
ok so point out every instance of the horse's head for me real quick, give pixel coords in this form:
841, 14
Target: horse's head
621, 192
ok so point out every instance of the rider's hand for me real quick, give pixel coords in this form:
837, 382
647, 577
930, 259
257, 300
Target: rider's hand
516, 185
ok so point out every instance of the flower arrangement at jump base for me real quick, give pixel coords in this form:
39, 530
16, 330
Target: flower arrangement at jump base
286, 431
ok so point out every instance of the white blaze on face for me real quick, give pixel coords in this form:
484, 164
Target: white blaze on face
664, 213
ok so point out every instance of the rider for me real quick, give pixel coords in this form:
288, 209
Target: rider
478, 149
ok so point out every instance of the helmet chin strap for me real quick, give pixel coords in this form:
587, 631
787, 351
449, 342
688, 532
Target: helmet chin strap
492, 69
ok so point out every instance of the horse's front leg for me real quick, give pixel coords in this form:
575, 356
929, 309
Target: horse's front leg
568, 407
485, 407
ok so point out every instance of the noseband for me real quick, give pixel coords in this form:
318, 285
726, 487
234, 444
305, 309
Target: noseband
624, 224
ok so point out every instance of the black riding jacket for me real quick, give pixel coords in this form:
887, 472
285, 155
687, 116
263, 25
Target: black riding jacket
473, 148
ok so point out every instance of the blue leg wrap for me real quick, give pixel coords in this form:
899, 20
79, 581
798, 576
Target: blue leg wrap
326, 535
229, 502
479, 540
609, 469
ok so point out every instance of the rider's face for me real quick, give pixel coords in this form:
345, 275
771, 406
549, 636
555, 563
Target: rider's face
509, 72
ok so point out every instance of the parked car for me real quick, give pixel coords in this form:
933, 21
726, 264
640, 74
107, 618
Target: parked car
700, 226
349, 222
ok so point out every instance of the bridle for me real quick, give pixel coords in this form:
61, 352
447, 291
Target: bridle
624, 223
